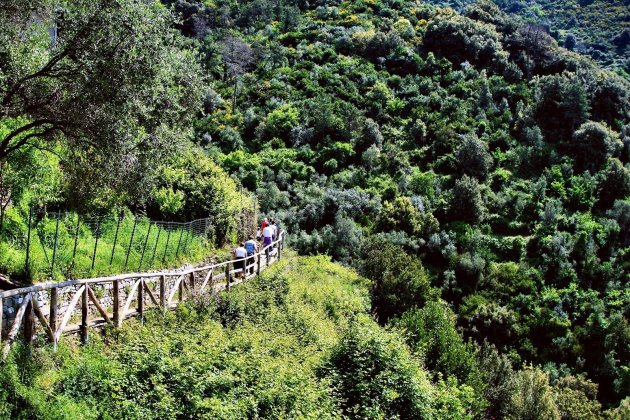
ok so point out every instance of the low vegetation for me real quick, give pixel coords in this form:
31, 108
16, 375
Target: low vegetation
297, 342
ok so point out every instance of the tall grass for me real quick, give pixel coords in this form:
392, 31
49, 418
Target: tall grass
103, 246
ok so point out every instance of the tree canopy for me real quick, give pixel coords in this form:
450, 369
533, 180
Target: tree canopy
108, 79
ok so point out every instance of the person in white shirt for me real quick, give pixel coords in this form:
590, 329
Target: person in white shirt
267, 235
240, 254
275, 230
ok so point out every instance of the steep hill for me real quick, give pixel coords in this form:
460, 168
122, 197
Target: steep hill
599, 29
475, 172
472, 143
296, 343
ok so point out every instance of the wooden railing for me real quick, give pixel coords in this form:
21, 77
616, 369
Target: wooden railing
128, 295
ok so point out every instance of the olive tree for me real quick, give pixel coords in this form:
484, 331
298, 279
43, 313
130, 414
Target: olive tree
467, 204
102, 82
594, 144
473, 157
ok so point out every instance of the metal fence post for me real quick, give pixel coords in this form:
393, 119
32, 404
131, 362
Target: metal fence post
133, 232
111, 258
189, 234
98, 232
168, 237
76, 239
179, 243
52, 264
28, 239
145, 246
157, 241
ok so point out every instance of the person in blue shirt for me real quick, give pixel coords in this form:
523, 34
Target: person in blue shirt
252, 247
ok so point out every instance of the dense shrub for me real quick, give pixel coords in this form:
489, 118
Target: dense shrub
460, 39
376, 376
431, 332
399, 282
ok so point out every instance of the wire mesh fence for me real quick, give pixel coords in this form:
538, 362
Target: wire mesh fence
66, 245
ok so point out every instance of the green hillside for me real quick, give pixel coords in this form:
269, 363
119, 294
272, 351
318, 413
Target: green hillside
471, 147
473, 170
299, 342
597, 28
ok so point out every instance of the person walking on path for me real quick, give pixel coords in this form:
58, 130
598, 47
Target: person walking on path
273, 225
267, 233
240, 254
263, 225
251, 246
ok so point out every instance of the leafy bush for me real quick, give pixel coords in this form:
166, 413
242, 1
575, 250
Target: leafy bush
399, 282
375, 375
431, 332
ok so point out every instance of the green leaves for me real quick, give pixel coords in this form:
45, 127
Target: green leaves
112, 86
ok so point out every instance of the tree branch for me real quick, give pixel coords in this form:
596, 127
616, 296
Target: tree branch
49, 67
24, 140
24, 128
40, 73
6, 147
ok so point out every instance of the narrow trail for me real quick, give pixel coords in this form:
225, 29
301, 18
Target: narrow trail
76, 306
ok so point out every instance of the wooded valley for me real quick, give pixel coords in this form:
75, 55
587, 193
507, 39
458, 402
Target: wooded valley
455, 185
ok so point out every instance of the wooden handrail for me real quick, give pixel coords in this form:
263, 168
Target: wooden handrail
83, 290
55, 285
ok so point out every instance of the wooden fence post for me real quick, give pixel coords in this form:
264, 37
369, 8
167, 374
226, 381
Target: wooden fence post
141, 300
163, 291
227, 276
52, 318
84, 315
258, 264
29, 323
192, 283
181, 289
116, 293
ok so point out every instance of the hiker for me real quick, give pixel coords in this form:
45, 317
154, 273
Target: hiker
275, 230
267, 233
240, 254
251, 247
263, 225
